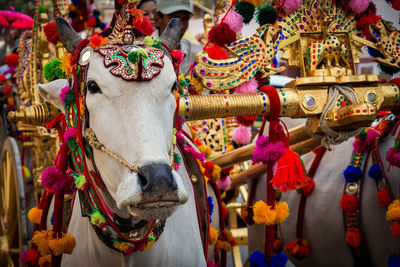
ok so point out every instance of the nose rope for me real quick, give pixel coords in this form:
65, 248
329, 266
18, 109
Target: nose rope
92, 140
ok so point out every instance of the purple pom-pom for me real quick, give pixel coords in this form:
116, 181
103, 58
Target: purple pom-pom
64, 92
56, 180
393, 157
197, 155
22, 257
359, 6
71, 133
267, 152
359, 146
375, 172
290, 6
352, 174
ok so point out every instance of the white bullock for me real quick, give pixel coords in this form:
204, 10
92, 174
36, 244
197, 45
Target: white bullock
323, 223
135, 120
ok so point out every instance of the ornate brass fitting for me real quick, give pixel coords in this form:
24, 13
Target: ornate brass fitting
39, 114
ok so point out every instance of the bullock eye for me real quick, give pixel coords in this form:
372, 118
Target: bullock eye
174, 87
93, 87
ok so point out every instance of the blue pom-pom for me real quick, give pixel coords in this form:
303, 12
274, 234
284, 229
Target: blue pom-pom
375, 172
374, 52
193, 73
352, 174
75, 2
279, 260
210, 207
103, 25
257, 259
394, 260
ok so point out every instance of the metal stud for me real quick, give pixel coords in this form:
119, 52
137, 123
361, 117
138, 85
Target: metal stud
194, 179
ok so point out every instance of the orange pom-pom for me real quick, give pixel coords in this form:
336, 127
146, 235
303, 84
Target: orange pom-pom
216, 173
43, 262
205, 149
35, 215
263, 214
393, 213
282, 211
97, 41
353, 238
222, 245
41, 240
227, 236
277, 245
290, 172
299, 249
213, 236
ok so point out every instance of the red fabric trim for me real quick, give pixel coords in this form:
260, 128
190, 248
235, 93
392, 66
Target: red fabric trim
47, 202
221, 220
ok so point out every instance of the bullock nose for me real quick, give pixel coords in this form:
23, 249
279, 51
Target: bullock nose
157, 179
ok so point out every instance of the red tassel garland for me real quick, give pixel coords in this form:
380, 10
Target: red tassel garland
299, 248
384, 198
50, 31
395, 228
349, 203
353, 238
216, 52
289, 172
221, 34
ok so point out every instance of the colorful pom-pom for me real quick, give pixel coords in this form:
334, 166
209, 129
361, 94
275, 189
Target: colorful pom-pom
375, 172
29, 257
211, 263
263, 214
153, 42
144, 26
177, 55
52, 70
233, 19
97, 218
210, 207
65, 244
66, 66
290, 6
221, 34
393, 157
41, 240
241, 135
57, 180
352, 174
266, 15
246, 10
137, 55
43, 262
97, 41
290, 172
35, 215
257, 259
359, 6
224, 184
216, 52
50, 31
395, 228
91, 22
266, 152
80, 182
384, 197
2, 78
299, 248
393, 212
308, 187
12, 60
367, 19
8, 90
353, 238
246, 120
282, 211
349, 203
372, 135
213, 236
396, 4
249, 87
394, 260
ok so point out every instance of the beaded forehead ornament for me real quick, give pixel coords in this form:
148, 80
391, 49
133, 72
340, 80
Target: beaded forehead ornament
124, 49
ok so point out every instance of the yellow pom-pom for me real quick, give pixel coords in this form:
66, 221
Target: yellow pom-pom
193, 131
229, 148
393, 213
197, 85
213, 236
69, 243
206, 150
35, 215
66, 66
255, 3
216, 173
282, 211
26, 172
122, 246
263, 214
41, 240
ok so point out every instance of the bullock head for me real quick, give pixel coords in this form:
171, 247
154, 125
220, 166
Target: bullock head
133, 119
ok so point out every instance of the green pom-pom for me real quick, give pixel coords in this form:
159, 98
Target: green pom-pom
97, 218
137, 55
72, 144
52, 70
246, 10
153, 42
388, 70
177, 158
80, 181
266, 15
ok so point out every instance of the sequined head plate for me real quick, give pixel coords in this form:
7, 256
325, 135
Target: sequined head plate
146, 68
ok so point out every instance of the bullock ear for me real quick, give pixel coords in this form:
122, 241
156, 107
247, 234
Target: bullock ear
51, 92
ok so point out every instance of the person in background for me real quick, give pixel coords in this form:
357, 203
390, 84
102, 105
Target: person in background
150, 11
182, 9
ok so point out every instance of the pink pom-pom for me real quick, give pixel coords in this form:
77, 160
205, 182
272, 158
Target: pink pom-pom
359, 6
197, 155
210, 263
359, 146
224, 184
241, 135
393, 157
267, 152
56, 180
371, 137
249, 87
233, 19
64, 92
71, 133
290, 6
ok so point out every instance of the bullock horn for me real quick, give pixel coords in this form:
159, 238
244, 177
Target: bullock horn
67, 35
170, 36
